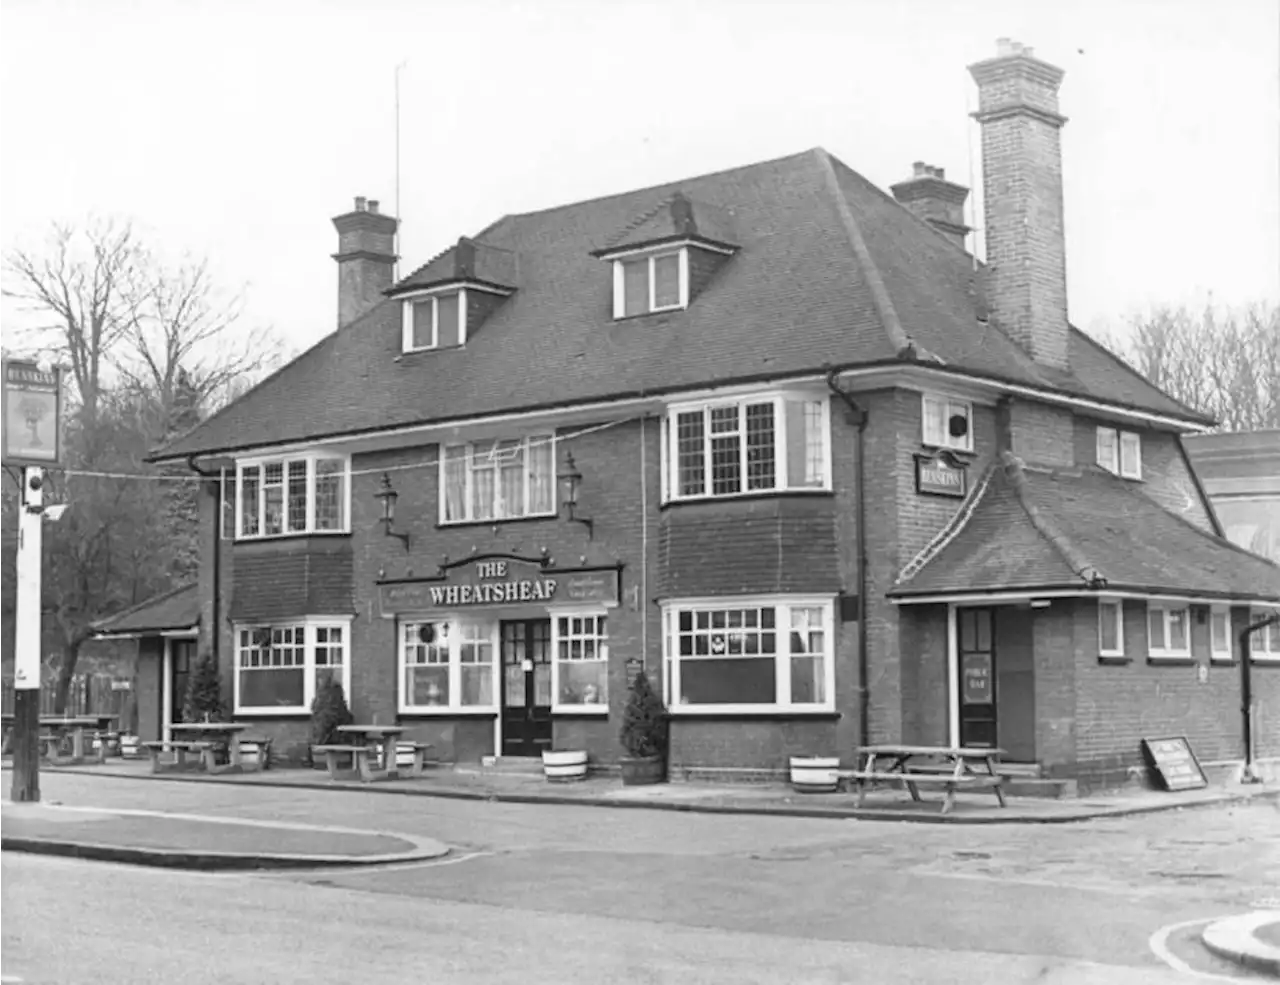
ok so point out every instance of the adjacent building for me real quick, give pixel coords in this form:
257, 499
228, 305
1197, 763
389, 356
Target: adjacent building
772, 435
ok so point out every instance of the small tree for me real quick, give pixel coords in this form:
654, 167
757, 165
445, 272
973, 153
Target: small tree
203, 700
328, 711
644, 721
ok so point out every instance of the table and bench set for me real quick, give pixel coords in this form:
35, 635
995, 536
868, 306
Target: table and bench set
951, 768
71, 740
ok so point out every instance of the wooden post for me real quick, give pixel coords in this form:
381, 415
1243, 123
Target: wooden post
26, 746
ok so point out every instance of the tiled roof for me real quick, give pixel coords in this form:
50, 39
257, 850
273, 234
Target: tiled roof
173, 610
467, 260
1029, 529
673, 218
830, 272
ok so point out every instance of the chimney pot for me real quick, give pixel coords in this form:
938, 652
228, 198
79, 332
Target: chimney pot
360, 203
1004, 47
940, 174
942, 206
373, 206
919, 168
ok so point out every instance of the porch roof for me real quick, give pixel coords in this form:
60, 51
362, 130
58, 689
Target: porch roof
1027, 529
172, 611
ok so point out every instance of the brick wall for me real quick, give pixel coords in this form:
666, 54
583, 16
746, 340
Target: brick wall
926, 690
148, 687
703, 265
1056, 636
1042, 434
750, 743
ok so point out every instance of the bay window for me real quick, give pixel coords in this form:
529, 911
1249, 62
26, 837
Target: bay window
300, 494
1168, 631
581, 647
745, 655
280, 666
758, 444
498, 479
447, 666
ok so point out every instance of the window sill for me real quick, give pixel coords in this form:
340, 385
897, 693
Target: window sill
495, 521
1170, 659
1263, 660
431, 348
293, 535
579, 711
959, 452
447, 712
752, 495
1114, 659
671, 309
271, 713
710, 711
1223, 661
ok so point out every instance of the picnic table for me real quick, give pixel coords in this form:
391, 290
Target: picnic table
56, 730
216, 747
372, 750
951, 767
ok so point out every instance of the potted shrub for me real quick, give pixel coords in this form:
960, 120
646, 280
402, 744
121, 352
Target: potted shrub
643, 735
815, 774
328, 711
203, 700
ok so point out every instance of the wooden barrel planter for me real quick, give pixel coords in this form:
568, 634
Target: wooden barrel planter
642, 770
129, 748
815, 774
564, 767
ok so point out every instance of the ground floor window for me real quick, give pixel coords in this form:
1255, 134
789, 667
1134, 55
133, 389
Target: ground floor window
581, 647
280, 665
1264, 643
754, 654
1220, 645
448, 665
1110, 628
1168, 631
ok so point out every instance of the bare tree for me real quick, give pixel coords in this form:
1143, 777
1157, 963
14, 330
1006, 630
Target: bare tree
1223, 363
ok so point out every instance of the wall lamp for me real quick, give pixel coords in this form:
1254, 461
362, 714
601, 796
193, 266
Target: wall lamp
389, 497
572, 480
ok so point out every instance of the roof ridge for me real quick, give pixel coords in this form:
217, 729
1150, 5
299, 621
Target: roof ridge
950, 531
153, 600
875, 283
1012, 466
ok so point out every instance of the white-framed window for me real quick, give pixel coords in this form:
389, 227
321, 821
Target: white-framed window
1220, 642
498, 479
227, 500
1110, 628
770, 443
448, 666
1264, 644
435, 321
280, 665
649, 282
1168, 630
1119, 452
749, 655
946, 422
580, 643
299, 494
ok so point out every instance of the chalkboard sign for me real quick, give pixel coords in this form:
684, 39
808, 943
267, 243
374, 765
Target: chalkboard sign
1176, 764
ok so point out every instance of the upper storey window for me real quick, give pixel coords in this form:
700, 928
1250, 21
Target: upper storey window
1120, 452
300, 494
435, 321
757, 444
498, 479
947, 423
650, 282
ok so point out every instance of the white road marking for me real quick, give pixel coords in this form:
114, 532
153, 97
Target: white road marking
1159, 944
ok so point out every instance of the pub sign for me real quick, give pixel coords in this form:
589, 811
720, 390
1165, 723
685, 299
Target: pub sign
941, 474
32, 426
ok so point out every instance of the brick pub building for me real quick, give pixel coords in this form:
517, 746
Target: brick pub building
772, 434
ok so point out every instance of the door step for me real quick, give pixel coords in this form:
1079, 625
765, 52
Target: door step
526, 765
1031, 770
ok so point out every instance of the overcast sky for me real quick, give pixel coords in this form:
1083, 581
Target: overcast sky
237, 129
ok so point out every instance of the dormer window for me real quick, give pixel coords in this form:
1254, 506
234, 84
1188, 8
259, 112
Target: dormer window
435, 321
652, 282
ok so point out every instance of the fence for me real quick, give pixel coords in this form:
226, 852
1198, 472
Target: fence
90, 694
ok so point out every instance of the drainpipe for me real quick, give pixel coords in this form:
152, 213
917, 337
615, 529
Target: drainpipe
1250, 773
215, 629
858, 417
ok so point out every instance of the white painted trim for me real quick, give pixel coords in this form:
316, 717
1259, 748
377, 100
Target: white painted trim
310, 458
948, 403
1216, 655
998, 597
454, 665
310, 624
1166, 652
1119, 606
166, 692
1135, 438
455, 285
763, 711
953, 674
668, 247
406, 329
570, 612
527, 440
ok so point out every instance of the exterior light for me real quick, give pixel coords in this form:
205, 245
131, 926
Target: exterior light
572, 480
389, 497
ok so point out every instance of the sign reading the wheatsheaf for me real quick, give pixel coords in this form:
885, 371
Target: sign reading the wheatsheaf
32, 414
499, 582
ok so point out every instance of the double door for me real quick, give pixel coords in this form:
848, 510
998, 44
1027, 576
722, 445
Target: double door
526, 686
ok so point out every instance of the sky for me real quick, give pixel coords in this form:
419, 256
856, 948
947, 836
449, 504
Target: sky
236, 130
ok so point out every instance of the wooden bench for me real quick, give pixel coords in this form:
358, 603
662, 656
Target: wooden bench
255, 751
360, 756
103, 741
204, 754
912, 780
417, 751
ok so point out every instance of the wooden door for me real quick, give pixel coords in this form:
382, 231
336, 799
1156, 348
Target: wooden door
977, 683
181, 656
526, 686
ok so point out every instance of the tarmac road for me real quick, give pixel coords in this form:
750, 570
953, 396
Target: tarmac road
541, 893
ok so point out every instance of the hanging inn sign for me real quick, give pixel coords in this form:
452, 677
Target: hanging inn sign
941, 474
32, 414
499, 580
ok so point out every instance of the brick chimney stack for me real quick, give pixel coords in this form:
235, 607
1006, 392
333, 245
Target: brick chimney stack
939, 202
366, 258
1022, 194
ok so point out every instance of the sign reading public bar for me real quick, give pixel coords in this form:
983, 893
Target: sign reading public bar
499, 581
941, 475
1175, 763
32, 414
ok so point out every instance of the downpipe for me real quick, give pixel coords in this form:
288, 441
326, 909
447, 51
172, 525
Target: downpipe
1250, 772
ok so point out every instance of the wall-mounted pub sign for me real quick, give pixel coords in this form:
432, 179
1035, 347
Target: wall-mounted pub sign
32, 414
941, 474
493, 581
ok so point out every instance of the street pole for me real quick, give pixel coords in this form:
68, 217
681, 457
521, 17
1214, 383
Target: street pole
27, 642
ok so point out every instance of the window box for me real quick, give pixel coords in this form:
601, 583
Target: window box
1221, 641
946, 422
749, 655
434, 320
753, 445
298, 494
1119, 452
646, 283
279, 665
1168, 632
502, 479
1111, 629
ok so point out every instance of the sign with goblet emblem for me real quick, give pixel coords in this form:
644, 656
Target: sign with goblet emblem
32, 404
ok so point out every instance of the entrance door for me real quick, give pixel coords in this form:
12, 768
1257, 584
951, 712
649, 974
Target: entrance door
526, 687
977, 682
181, 656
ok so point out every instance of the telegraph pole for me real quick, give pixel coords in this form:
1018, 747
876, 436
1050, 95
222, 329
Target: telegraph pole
26, 677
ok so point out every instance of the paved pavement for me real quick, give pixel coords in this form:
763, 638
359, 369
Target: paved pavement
566, 893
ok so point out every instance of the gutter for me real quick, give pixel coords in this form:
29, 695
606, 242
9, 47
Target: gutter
858, 417
1250, 772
